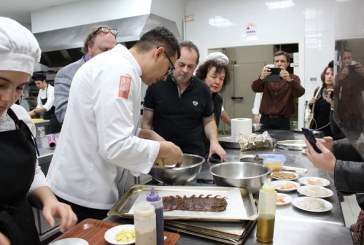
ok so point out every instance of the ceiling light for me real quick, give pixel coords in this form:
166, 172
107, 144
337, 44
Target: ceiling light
219, 21
280, 4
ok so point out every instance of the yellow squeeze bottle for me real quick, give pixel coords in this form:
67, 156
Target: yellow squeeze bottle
266, 213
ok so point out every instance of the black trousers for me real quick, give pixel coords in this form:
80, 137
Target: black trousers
275, 122
84, 212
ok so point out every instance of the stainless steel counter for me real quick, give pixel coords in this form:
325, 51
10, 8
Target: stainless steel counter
292, 226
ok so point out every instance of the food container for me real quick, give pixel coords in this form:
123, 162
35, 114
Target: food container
189, 169
273, 161
247, 175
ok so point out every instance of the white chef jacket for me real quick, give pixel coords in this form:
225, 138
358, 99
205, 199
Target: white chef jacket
256, 106
98, 139
46, 93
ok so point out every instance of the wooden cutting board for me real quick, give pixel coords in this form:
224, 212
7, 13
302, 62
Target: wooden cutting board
93, 231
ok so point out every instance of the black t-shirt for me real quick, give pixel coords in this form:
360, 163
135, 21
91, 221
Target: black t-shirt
179, 118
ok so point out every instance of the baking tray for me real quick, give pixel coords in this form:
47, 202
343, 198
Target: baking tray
227, 232
230, 142
123, 207
297, 145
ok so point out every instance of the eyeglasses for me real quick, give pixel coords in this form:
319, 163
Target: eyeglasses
105, 30
171, 68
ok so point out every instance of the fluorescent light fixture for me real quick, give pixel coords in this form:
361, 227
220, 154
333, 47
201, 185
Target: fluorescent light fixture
280, 4
219, 21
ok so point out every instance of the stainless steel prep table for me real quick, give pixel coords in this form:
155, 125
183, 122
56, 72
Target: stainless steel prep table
292, 226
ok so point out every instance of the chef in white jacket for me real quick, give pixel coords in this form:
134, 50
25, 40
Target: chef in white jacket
100, 137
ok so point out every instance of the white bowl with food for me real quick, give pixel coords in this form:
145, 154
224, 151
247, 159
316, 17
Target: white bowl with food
284, 175
315, 191
312, 204
285, 185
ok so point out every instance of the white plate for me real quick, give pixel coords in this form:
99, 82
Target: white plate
312, 204
285, 185
315, 181
110, 234
284, 199
315, 191
70, 241
281, 173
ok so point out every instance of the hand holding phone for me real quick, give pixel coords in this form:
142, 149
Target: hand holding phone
311, 138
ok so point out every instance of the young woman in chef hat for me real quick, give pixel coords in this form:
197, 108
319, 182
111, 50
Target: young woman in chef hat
21, 179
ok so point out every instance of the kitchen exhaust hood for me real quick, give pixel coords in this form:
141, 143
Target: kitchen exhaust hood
63, 46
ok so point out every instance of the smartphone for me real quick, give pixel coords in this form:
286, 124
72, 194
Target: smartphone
311, 138
275, 70
332, 95
274, 76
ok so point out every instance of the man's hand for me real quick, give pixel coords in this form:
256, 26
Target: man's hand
285, 75
170, 153
265, 72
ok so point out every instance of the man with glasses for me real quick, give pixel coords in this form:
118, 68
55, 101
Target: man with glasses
179, 109
100, 39
100, 139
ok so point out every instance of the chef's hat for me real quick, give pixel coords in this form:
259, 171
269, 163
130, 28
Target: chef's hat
218, 56
19, 50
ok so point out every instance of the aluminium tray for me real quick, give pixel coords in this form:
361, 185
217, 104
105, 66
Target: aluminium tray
297, 145
123, 207
230, 142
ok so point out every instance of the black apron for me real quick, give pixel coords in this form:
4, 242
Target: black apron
54, 125
17, 170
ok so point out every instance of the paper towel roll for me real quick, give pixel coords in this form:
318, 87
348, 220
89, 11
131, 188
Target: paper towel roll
241, 126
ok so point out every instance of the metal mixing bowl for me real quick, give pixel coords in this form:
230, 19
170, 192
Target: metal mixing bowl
247, 175
257, 127
190, 168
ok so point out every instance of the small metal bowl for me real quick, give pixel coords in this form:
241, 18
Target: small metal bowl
257, 127
252, 158
189, 169
247, 175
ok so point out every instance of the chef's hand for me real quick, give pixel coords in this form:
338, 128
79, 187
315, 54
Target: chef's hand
54, 208
265, 72
285, 75
170, 153
324, 160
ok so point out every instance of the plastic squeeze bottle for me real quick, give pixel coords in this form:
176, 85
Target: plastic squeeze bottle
266, 213
157, 202
144, 222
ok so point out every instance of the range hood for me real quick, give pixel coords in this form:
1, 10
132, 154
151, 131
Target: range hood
63, 46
